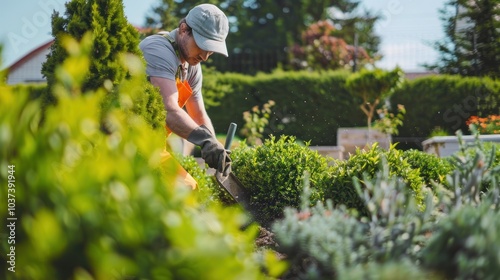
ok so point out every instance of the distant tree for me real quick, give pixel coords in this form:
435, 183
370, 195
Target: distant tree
356, 27
472, 43
162, 17
112, 35
271, 27
320, 50
373, 87
167, 13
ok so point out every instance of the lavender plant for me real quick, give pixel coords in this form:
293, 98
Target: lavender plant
465, 240
326, 241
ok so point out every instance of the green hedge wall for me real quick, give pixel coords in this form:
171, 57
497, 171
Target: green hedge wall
443, 101
312, 105
309, 105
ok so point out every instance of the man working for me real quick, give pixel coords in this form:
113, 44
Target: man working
173, 65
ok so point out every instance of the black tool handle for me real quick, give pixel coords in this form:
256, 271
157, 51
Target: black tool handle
230, 135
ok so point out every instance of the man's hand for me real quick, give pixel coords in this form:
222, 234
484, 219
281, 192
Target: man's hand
212, 151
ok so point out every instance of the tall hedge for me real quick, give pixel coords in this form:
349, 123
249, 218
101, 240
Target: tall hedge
313, 105
444, 101
309, 105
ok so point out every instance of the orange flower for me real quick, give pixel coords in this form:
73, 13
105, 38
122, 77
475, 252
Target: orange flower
486, 125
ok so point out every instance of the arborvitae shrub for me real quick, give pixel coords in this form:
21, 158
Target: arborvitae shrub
112, 35
341, 189
273, 175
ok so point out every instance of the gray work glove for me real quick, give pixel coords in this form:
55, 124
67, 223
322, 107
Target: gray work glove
212, 150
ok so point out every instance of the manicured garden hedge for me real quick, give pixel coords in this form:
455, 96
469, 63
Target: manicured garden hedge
446, 102
309, 105
312, 106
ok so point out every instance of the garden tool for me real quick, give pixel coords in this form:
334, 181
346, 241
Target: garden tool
230, 183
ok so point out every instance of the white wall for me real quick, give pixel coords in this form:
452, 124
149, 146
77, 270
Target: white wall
30, 70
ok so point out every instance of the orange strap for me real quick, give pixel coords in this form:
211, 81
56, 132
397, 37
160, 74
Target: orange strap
185, 91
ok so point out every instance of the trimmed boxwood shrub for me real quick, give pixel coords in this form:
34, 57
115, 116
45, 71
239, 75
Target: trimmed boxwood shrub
273, 174
341, 189
456, 237
432, 168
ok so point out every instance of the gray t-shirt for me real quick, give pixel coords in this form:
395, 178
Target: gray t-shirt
162, 61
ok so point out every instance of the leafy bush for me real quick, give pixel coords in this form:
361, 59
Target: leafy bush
456, 237
100, 205
432, 168
341, 188
147, 103
208, 188
273, 173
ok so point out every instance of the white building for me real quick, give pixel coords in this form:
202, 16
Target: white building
28, 69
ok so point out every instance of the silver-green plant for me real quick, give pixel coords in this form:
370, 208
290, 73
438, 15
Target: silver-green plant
397, 225
465, 239
455, 234
326, 241
475, 179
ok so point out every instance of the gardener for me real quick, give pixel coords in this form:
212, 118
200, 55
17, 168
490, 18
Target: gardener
173, 65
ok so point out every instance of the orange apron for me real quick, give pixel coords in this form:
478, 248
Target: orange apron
185, 91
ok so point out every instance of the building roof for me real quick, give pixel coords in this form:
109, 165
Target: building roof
29, 55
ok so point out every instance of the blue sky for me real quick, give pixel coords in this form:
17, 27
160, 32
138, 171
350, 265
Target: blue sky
406, 30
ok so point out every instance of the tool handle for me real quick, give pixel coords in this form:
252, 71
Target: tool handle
230, 135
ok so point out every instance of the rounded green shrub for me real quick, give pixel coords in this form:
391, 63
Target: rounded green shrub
341, 189
273, 175
432, 168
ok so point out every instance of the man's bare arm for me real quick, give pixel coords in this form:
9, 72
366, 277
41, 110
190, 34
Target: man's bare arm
196, 110
178, 121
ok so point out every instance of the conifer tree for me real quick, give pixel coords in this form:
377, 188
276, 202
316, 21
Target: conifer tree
472, 43
112, 35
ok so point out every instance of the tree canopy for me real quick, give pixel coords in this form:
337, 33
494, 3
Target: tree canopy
272, 26
111, 35
472, 43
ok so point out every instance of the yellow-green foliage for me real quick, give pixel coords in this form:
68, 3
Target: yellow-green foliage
273, 175
94, 205
369, 162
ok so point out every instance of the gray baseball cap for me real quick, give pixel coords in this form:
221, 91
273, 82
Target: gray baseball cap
210, 28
